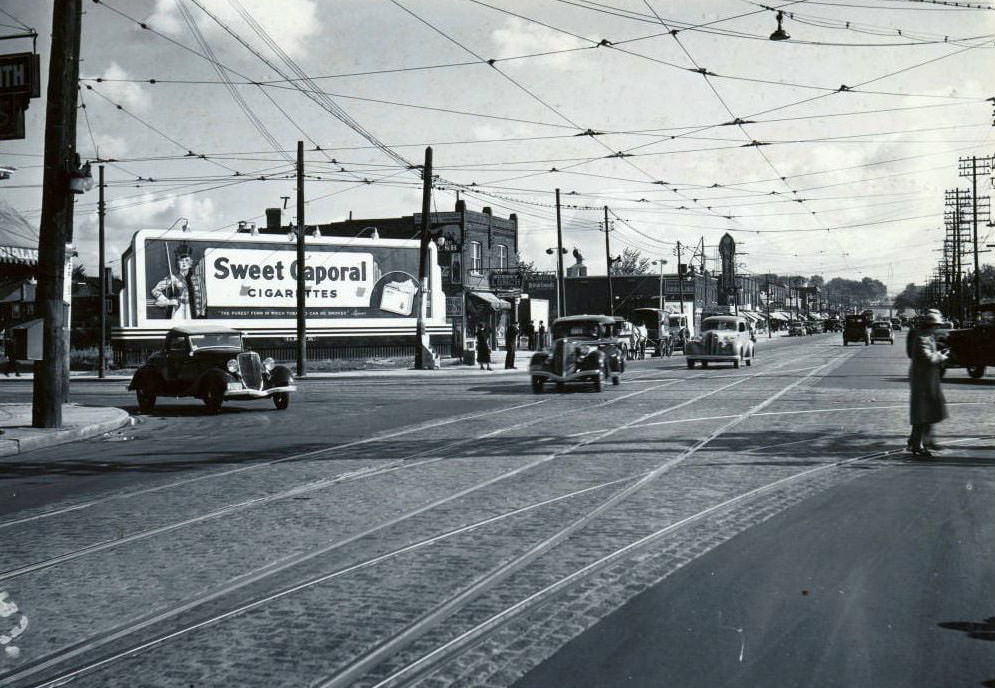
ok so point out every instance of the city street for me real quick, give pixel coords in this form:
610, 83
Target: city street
689, 527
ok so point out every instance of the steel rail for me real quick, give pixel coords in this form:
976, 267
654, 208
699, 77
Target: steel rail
284, 564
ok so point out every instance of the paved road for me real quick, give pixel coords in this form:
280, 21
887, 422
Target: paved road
437, 533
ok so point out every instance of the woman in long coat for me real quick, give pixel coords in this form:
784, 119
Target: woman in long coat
926, 403
483, 348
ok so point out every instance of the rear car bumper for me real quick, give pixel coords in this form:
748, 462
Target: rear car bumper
579, 376
713, 357
257, 393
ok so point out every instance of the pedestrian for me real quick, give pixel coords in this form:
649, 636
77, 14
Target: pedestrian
926, 403
483, 348
511, 343
541, 337
8, 351
530, 332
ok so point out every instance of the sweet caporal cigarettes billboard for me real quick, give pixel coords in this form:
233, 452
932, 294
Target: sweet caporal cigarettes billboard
196, 276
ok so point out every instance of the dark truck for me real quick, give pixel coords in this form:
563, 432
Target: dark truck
857, 329
974, 347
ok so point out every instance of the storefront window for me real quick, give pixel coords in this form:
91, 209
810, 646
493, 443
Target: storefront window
502, 257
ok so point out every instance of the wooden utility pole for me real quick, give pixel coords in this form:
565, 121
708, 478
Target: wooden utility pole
560, 296
680, 279
421, 345
101, 209
608, 261
51, 379
301, 300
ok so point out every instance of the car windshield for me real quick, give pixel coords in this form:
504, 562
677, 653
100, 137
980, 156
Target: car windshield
719, 325
591, 330
986, 317
646, 319
882, 323
675, 320
216, 339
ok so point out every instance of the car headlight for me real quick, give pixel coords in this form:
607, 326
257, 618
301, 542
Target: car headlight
232, 366
269, 364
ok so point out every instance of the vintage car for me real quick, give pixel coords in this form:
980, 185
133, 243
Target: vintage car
973, 347
722, 338
210, 363
657, 324
881, 332
584, 350
795, 329
896, 324
625, 337
857, 329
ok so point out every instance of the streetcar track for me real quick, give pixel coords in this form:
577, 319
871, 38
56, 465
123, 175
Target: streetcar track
219, 474
358, 667
425, 663
285, 563
394, 465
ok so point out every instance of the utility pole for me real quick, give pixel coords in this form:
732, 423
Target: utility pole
51, 379
301, 262
561, 301
608, 262
102, 356
680, 279
769, 335
421, 346
973, 167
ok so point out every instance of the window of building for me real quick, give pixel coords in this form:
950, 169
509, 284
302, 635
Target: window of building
476, 256
502, 257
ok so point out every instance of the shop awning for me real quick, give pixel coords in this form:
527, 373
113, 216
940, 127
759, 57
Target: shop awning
18, 239
779, 315
490, 300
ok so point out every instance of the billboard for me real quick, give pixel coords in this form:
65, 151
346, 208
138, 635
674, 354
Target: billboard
237, 279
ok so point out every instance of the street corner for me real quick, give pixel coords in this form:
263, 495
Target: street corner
78, 423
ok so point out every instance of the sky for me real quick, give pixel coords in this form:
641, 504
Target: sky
828, 153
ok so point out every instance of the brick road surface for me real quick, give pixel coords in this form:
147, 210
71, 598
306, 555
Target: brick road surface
312, 633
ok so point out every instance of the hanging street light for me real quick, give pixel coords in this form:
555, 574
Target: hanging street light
780, 34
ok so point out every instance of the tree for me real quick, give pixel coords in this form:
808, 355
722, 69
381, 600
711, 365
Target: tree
631, 262
911, 297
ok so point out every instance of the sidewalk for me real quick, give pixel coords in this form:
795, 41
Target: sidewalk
78, 423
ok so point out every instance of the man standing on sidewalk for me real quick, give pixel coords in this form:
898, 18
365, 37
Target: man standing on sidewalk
511, 343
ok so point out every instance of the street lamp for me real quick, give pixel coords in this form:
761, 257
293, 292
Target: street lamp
661, 263
780, 34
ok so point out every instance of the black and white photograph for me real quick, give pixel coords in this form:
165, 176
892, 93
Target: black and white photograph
497, 343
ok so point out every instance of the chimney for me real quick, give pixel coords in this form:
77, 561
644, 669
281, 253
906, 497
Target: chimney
273, 219
486, 210
461, 206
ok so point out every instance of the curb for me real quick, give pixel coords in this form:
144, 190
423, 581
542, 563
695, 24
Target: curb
9, 447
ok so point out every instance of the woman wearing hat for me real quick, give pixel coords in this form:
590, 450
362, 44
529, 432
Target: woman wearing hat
926, 403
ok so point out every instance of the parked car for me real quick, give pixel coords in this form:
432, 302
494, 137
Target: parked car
795, 329
974, 347
896, 324
881, 332
625, 337
584, 350
212, 364
723, 338
657, 324
857, 329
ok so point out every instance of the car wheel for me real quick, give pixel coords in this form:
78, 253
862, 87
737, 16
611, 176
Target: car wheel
599, 382
537, 384
845, 343
559, 386
704, 364
976, 371
146, 395
214, 396
690, 363
281, 400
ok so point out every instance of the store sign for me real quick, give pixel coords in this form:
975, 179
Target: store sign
509, 280
454, 306
20, 80
540, 280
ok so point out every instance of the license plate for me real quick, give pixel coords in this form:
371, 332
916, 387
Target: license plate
234, 385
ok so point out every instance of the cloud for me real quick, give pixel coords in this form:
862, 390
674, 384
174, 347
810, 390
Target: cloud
519, 37
288, 22
130, 96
